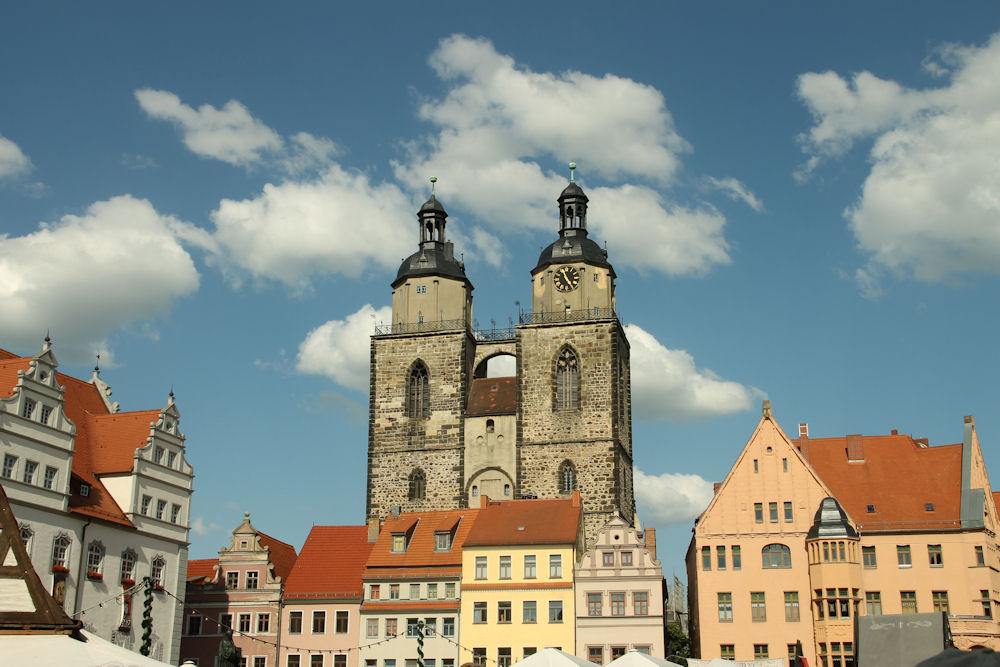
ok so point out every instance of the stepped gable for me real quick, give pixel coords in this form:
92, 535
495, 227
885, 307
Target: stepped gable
896, 474
420, 551
526, 522
492, 396
330, 563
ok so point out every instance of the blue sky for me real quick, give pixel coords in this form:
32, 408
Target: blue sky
801, 203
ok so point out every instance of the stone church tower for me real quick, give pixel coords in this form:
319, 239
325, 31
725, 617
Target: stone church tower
442, 433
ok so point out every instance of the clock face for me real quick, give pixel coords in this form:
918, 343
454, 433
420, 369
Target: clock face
566, 279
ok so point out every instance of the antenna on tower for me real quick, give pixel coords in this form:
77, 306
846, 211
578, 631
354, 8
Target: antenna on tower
572, 168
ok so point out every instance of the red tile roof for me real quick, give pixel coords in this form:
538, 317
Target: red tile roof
201, 571
330, 563
281, 555
406, 605
492, 396
898, 476
996, 500
513, 522
420, 551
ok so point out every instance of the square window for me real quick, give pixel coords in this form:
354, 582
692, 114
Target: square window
760, 651
340, 660
412, 627
908, 600
294, 661
727, 651
442, 541
530, 571
595, 654
617, 652
316, 660
529, 611
399, 543
555, 611
940, 599
449, 590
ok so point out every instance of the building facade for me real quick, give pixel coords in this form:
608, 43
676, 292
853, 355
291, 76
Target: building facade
805, 535
442, 432
240, 591
102, 498
619, 589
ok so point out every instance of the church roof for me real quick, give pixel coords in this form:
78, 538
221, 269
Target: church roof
525, 522
492, 396
433, 259
330, 563
898, 477
572, 246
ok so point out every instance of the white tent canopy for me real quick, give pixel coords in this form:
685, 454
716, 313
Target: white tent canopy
719, 662
553, 657
636, 659
64, 651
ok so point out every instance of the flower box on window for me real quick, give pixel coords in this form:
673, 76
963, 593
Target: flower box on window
96, 576
60, 568
128, 583
157, 587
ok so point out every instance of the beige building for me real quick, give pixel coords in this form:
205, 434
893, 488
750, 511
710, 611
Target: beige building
804, 535
619, 588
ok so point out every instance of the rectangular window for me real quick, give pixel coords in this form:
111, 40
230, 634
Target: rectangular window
903, 555
984, 596
756, 466
432, 591
788, 512
158, 454
868, 555
980, 561
908, 600
391, 627
29, 471
555, 611
640, 602
393, 591
503, 656
374, 591
772, 510
617, 604
934, 555
194, 625
319, 622
414, 591
175, 513
9, 463
448, 626
528, 651
760, 651
608, 558
784, 465
706, 558
617, 652
479, 656
940, 599
725, 607
316, 660
371, 627
146, 502
758, 608
737, 560
505, 567
294, 661
503, 611
791, 606
252, 580
626, 557
529, 612
46, 412
555, 566
727, 651
758, 512
29, 409
449, 591
263, 623
232, 580
412, 629
244, 623
171, 457
720, 558
595, 654
398, 543
873, 603
430, 626
530, 571
49, 481
161, 508
593, 604
478, 612
340, 622
340, 660
295, 622
225, 622
442, 541
480, 567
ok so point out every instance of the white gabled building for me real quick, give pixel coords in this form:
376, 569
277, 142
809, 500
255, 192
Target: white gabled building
102, 498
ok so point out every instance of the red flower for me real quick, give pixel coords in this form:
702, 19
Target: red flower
128, 583
59, 568
95, 575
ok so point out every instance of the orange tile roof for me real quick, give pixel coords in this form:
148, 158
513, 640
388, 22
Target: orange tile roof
996, 500
420, 551
330, 563
378, 573
201, 571
492, 396
898, 477
510, 522
406, 605
281, 555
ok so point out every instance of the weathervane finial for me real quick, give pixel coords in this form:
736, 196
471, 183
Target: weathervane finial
97, 364
434, 179
572, 168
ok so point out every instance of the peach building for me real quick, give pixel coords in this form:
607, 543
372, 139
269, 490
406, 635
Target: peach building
803, 535
241, 589
320, 609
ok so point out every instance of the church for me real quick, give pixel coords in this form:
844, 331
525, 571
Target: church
442, 433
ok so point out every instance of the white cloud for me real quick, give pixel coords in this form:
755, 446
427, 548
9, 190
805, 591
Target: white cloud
930, 206
230, 134
666, 384
671, 497
13, 162
734, 189
86, 276
338, 223
201, 529
341, 349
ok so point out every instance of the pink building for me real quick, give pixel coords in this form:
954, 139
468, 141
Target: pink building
320, 610
241, 589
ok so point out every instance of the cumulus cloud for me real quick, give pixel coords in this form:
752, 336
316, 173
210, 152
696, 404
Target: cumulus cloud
85, 276
670, 497
930, 205
201, 529
13, 162
666, 384
338, 223
340, 349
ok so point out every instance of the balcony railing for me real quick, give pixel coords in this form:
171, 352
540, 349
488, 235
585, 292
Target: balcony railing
495, 333
579, 315
419, 327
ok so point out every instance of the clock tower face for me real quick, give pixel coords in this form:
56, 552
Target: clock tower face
566, 279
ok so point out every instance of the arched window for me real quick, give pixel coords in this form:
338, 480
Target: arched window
567, 477
95, 558
418, 484
490, 426
26, 534
506, 489
156, 570
128, 565
475, 490
776, 556
418, 400
60, 551
567, 381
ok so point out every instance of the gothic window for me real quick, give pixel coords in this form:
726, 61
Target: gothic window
26, 534
418, 399
95, 559
418, 484
156, 570
567, 477
128, 565
60, 552
567, 381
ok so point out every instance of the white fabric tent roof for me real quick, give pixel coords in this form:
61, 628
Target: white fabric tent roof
636, 659
64, 651
553, 657
719, 662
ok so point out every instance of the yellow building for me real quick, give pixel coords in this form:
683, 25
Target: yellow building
517, 579
804, 535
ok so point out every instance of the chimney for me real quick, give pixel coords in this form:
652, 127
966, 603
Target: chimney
855, 448
576, 497
651, 542
895, 431
373, 528
395, 511
803, 430
716, 487
484, 500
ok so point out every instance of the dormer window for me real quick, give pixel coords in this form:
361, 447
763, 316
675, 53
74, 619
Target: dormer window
929, 507
442, 541
85, 490
398, 542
